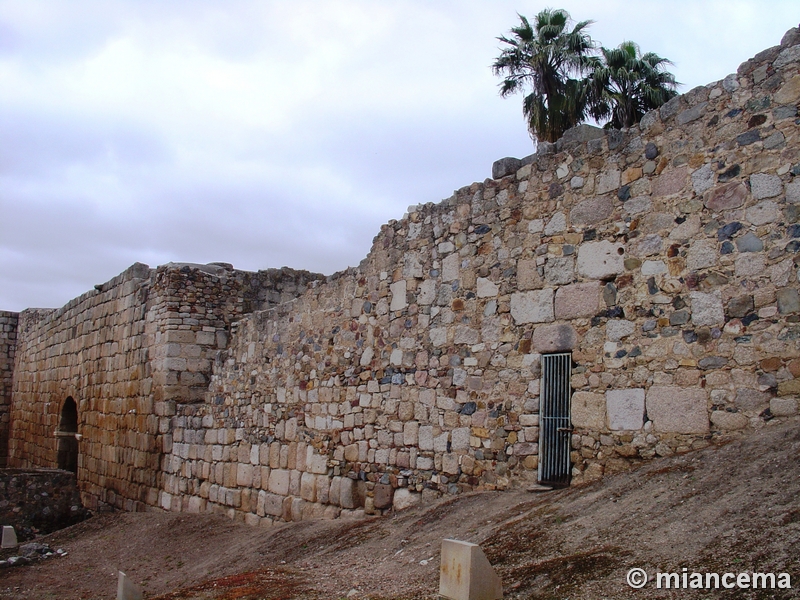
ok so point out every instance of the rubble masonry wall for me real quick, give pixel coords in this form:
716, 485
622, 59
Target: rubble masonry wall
663, 257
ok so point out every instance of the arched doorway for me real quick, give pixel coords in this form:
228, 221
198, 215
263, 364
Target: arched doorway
67, 442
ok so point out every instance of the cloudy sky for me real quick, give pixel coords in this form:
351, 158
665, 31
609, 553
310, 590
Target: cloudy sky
271, 133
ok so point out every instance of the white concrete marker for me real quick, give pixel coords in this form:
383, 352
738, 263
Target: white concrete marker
9, 537
466, 574
127, 590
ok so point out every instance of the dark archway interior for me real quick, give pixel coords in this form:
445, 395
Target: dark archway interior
68, 444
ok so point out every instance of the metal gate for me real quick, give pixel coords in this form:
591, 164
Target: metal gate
555, 431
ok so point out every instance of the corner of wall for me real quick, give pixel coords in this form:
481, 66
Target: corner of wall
8, 345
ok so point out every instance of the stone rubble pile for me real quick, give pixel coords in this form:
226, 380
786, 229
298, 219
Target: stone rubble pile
31, 553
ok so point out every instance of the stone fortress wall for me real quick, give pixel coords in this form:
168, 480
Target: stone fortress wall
662, 257
127, 352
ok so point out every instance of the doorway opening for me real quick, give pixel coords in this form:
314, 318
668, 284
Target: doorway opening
67, 442
555, 430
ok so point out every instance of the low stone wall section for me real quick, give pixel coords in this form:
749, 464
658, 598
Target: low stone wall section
39, 501
663, 257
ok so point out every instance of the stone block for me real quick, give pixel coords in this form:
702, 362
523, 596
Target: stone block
750, 265
751, 400
180, 336
450, 463
323, 487
459, 438
730, 421
273, 504
763, 185
593, 210
559, 270
425, 437
348, 495
486, 288
532, 307
398, 289
707, 309
793, 192
466, 574
601, 260
577, 300
686, 230
351, 453
674, 409
450, 267
334, 494
727, 197
739, 307
559, 337
528, 275
438, 336
9, 537
296, 509
411, 266
244, 475
426, 292
670, 182
691, 114
411, 433
703, 179
781, 407
638, 205
763, 213
556, 224
654, 222
425, 463
790, 92
505, 166
316, 463
308, 487
465, 335
405, 498
582, 133
654, 267
617, 329
788, 301
126, 589
279, 481
607, 181
589, 411
384, 493
526, 448
625, 409
701, 255
647, 245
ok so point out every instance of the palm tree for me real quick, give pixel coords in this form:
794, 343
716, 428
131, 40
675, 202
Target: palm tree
626, 84
546, 57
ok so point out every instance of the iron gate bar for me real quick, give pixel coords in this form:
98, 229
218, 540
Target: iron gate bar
555, 432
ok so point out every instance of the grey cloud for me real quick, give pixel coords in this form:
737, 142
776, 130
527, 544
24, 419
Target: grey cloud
35, 145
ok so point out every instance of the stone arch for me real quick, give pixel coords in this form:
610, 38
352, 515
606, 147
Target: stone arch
67, 440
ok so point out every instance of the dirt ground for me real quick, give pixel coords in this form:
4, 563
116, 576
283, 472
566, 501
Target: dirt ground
734, 508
